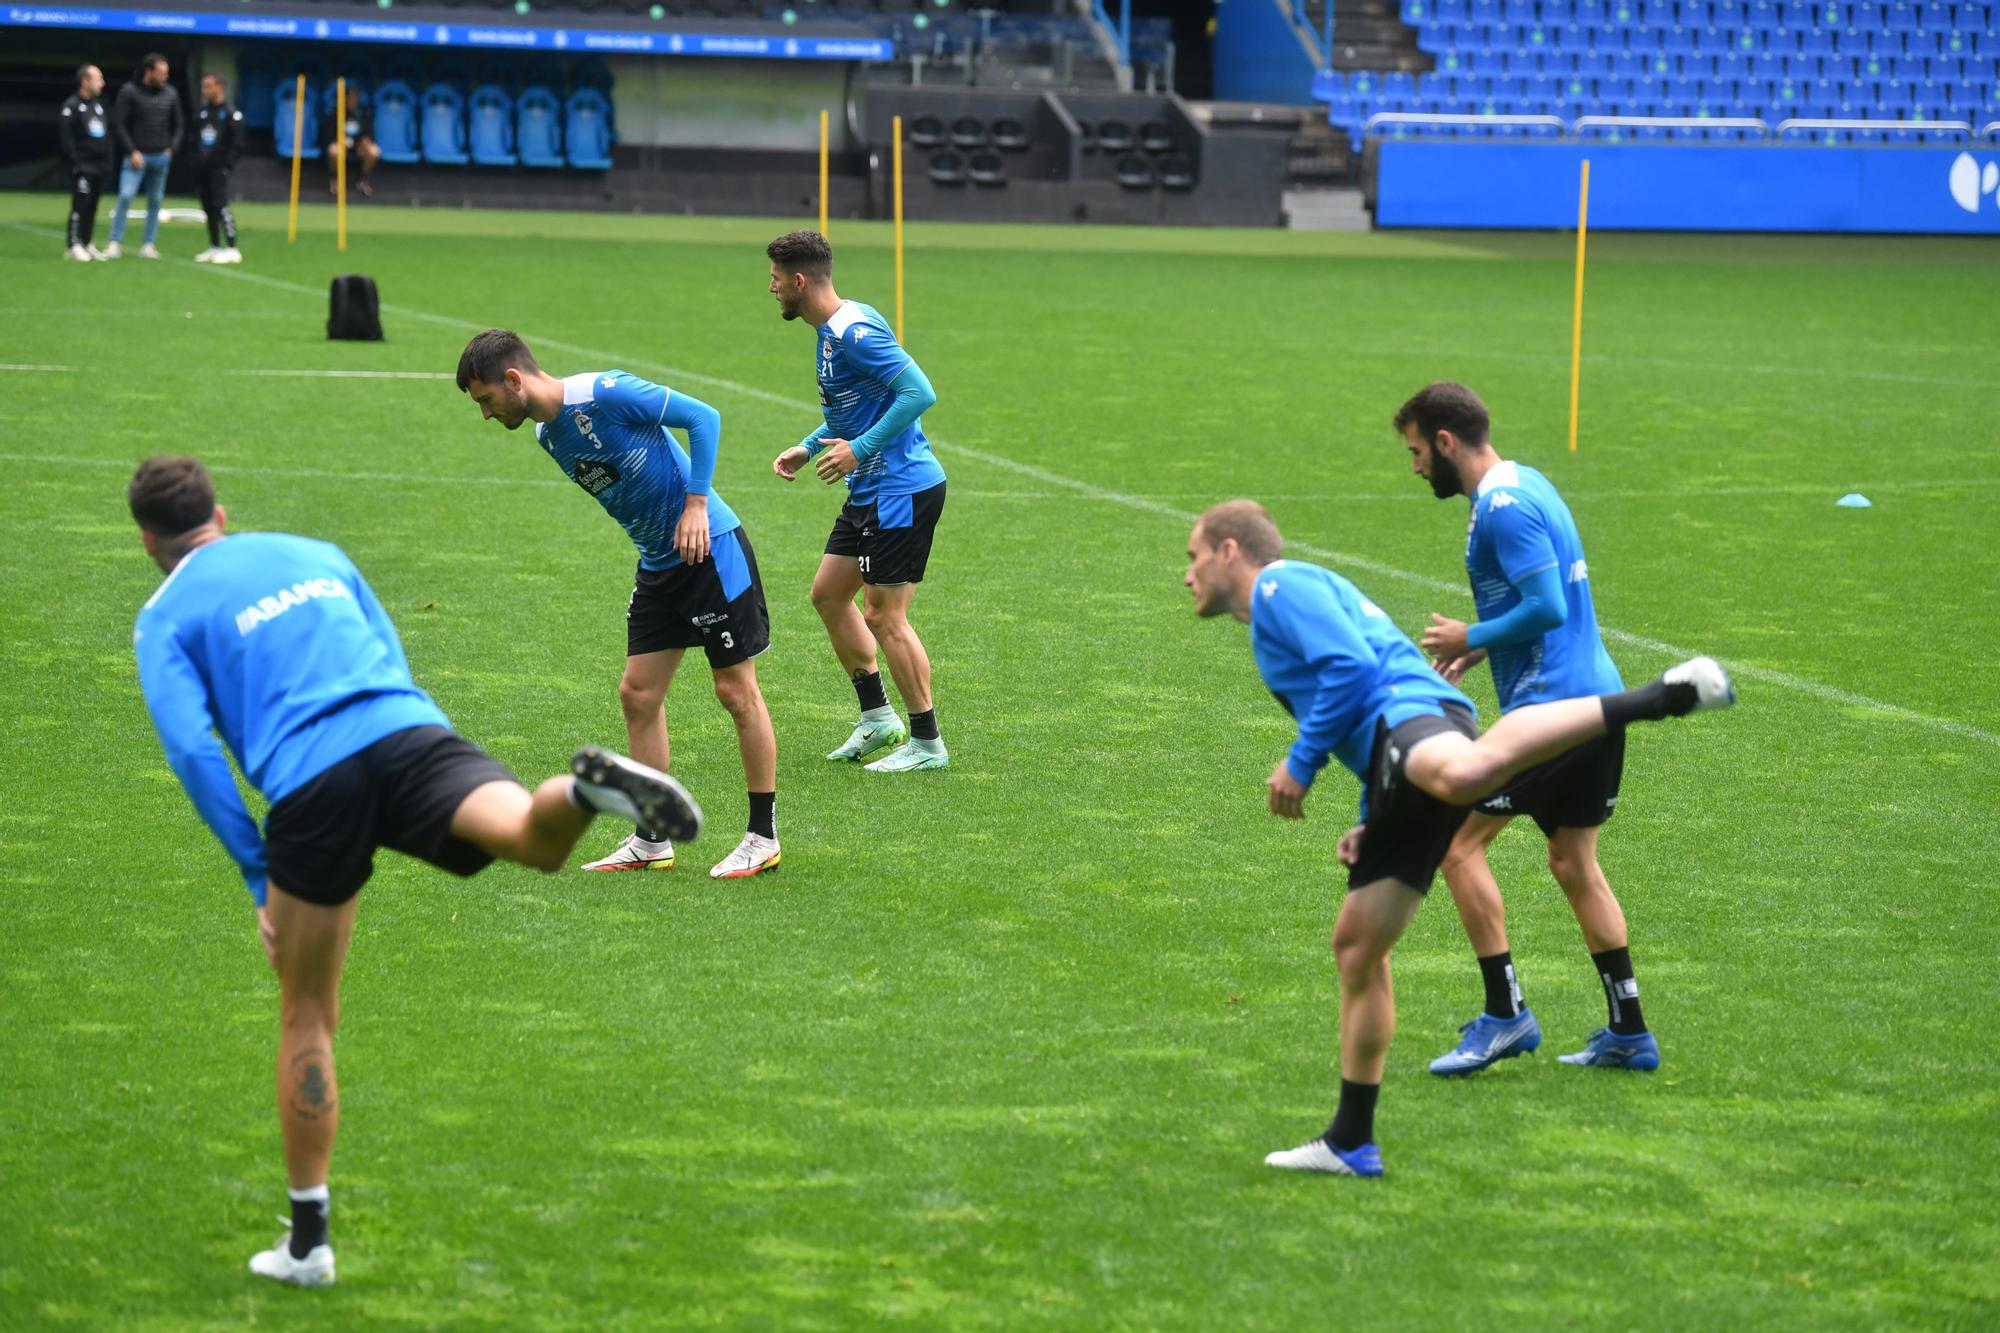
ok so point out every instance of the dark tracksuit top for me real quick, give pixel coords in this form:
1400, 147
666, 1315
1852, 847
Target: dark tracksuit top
85, 134
147, 120
218, 137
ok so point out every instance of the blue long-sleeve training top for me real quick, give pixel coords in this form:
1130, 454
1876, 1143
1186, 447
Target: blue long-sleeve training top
278, 643
1338, 665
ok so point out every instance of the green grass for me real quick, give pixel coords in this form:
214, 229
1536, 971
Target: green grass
1005, 1045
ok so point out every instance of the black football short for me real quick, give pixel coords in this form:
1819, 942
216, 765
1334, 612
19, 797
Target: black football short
890, 535
1408, 830
400, 793
717, 605
1578, 789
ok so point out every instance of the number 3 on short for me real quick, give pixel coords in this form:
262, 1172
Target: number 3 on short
728, 640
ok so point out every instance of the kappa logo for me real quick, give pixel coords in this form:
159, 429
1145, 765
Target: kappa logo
1501, 499
1579, 572
595, 475
1269, 587
607, 381
1501, 803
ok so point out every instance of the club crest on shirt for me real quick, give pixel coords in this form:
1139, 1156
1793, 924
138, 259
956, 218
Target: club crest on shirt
582, 422
595, 475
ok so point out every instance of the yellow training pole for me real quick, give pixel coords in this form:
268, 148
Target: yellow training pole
298, 145
898, 174
822, 171
340, 167
1576, 323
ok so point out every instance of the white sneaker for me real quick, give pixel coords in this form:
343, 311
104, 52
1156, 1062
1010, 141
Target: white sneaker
1712, 686
635, 853
230, 256
96, 253
78, 253
208, 256
1319, 1155
149, 252
754, 855
277, 1263
914, 755
112, 251
613, 785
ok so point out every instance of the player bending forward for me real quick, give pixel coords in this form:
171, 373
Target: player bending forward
278, 643
1364, 695
697, 582
872, 395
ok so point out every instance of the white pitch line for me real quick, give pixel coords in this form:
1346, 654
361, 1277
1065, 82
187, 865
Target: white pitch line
1782, 679
12, 365
348, 374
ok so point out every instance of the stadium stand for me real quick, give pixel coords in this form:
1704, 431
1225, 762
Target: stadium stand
1706, 70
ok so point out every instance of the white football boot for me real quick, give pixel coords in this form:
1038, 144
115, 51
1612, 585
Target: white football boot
754, 855
208, 256
277, 1263
635, 853
77, 253
1712, 686
229, 256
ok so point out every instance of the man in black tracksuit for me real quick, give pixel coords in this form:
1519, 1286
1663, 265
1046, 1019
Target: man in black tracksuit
85, 135
218, 141
147, 119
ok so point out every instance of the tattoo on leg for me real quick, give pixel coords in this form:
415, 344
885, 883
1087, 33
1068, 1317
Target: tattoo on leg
312, 1084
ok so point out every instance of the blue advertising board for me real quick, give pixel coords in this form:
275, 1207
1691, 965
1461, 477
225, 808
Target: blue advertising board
1690, 187
562, 41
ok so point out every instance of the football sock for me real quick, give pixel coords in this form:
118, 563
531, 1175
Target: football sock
923, 726
1354, 1120
647, 835
309, 1209
868, 690
1649, 703
764, 813
1621, 990
1503, 991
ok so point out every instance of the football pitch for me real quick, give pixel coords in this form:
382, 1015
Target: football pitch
1005, 1045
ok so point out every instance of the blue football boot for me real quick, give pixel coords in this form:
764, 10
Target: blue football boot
1488, 1039
1608, 1050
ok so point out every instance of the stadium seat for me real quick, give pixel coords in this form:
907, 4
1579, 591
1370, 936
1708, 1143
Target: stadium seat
1115, 136
968, 132
444, 126
947, 168
256, 87
538, 130
1010, 134
1135, 172
1155, 137
396, 122
587, 129
987, 169
927, 132
284, 110
490, 127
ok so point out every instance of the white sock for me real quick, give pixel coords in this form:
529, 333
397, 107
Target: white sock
886, 713
317, 1194
935, 745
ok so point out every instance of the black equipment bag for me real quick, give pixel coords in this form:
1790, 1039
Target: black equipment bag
355, 311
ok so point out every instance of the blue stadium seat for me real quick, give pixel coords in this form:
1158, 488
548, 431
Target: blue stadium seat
396, 122
256, 87
444, 126
587, 129
1328, 84
490, 127
1397, 83
283, 111
1900, 16
1521, 12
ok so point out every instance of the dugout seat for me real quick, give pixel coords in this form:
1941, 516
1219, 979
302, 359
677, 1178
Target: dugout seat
538, 136
444, 126
986, 168
947, 168
587, 129
490, 127
285, 111
1135, 172
396, 122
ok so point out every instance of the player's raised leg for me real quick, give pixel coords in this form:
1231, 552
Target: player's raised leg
737, 690
1459, 771
886, 609
1371, 920
1505, 1027
834, 588
309, 948
642, 697
1624, 1042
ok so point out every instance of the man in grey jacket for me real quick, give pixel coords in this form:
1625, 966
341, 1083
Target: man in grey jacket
147, 120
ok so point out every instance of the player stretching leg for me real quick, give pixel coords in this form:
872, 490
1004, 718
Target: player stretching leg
1538, 628
697, 582
278, 643
872, 395
1364, 695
